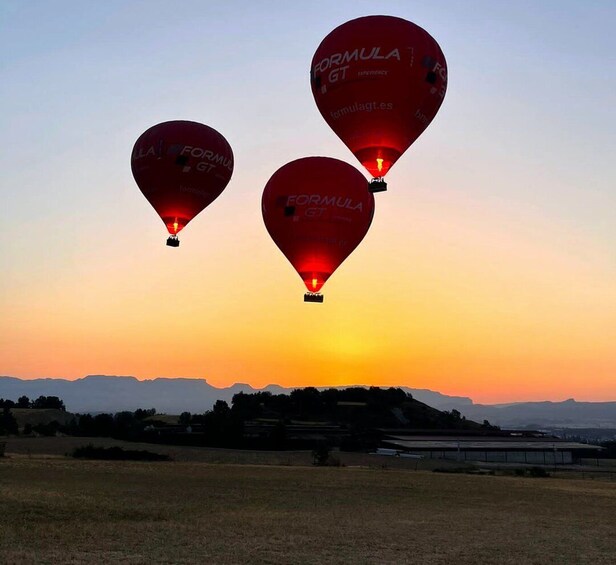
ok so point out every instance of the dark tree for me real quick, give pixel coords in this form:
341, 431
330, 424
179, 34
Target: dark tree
99, 425
127, 426
49, 402
307, 401
141, 414
8, 424
222, 427
49, 429
249, 406
221, 408
23, 402
610, 449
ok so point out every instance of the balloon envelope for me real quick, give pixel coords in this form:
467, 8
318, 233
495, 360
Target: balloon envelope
378, 81
181, 167
317, 210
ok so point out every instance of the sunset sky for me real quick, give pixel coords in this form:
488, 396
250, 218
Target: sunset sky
490, 267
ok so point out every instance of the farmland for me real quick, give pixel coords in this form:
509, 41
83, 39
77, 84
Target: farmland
59, 510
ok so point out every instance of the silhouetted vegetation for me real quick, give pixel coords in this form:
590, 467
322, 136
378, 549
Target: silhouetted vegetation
46, 429
350, 419
23, 402
122, 425
49, 402
609, 451
8, 424
185, 419
41, 402
360, 407
221, 426
141, 414
117, 454
365, 406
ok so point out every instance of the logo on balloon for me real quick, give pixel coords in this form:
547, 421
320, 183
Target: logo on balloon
334, 62
140, 152
361, 107
187, 151
322, 201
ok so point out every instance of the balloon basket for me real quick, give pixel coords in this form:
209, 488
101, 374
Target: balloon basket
313, 297
377, 185
173, 241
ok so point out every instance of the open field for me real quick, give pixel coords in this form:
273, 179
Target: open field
59, 510
60, 446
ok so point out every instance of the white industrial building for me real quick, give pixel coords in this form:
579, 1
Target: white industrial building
532, 448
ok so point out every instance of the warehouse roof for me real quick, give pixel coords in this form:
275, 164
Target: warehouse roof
533, 445
486, 438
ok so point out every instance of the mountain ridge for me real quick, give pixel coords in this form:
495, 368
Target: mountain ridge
111, 393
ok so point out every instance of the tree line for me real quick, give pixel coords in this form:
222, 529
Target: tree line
259, 420
40, 403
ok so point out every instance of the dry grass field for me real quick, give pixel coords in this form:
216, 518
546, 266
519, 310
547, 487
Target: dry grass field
60, 446
59, 510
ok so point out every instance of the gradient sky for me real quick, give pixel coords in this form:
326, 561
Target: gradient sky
489, 269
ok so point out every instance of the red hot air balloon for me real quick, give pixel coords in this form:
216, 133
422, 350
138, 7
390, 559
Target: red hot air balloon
317, 210
378, 81
181, 167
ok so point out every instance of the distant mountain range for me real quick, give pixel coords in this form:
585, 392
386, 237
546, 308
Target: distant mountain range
566, 414
101, 393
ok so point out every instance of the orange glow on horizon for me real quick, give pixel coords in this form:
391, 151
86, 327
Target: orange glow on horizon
441, 297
